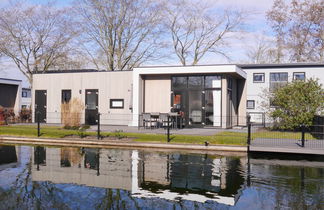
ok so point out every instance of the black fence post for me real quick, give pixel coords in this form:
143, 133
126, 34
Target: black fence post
168, 129
248, 120
98, 130
303, 135
38, 123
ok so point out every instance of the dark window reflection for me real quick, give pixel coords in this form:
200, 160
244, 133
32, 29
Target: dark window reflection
179, 82
195, 82
91, 158
194, 174
213, 82
40, 156
8, 154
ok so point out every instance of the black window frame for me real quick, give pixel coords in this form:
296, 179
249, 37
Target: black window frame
24, 94
299, 73
116, 99
63, 99
263, 78
247, 102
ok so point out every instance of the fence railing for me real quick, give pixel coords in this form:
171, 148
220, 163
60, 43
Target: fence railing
311, 137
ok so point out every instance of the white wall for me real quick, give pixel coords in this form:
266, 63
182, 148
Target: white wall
255, 91
111, 85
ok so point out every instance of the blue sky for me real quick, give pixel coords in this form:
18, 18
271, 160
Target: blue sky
256, 27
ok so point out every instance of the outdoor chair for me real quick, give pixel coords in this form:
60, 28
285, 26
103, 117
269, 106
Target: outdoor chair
148, 122
163, 120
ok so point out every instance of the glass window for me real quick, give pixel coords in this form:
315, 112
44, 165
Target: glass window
299, 76
116, 103
278, 80
195, 82
250, 104
279, 77
213, 81
258, 77
24, 94
179, 82
66, 96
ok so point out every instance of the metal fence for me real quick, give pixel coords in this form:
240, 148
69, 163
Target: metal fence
310, 137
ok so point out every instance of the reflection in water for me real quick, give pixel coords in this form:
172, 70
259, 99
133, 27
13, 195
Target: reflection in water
8, 154
127, 179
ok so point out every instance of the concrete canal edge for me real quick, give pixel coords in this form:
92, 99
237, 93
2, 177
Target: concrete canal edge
117, 143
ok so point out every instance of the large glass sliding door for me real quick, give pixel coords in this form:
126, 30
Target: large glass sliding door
198, 98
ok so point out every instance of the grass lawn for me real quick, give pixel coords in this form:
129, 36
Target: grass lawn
226, 137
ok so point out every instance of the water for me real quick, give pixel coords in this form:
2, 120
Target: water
91, 178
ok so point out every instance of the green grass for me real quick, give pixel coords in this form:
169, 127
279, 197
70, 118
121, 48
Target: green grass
280, 135
225, 138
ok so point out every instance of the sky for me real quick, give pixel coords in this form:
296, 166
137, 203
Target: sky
256, 26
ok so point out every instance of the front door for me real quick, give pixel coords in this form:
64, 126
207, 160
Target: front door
40, 105
91, 111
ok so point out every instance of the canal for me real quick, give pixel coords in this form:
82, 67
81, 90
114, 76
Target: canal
36, 177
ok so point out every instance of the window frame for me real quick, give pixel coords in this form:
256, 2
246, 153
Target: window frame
277, 82
294, 74
112, 100
263, 80
247, 102
66, 90
24, 94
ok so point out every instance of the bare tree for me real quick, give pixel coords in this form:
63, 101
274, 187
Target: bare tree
262, 50
119, 34
299, 28
197, 29
34, 37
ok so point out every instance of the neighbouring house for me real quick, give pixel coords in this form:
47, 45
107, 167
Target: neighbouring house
266, 77
204, 95
10, 94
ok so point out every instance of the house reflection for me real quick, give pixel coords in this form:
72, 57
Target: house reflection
9, 156
144, 174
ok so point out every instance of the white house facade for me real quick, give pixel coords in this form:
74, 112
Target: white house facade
261, 79
204, 96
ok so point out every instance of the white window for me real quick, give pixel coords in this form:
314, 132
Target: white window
116, 103
299, 76
258, 77
278, 80
250, 104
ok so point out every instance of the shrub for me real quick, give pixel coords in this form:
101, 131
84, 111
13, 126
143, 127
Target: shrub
297, 103
7, 115
71, 113
25, 115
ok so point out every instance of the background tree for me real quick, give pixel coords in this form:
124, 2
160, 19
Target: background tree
197, 29
262, 50
119, 34
297, 103
35, 38
299, 29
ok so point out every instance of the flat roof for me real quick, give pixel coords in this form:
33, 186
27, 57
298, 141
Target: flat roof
76, 71
15, 80
194, 70
282, 65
